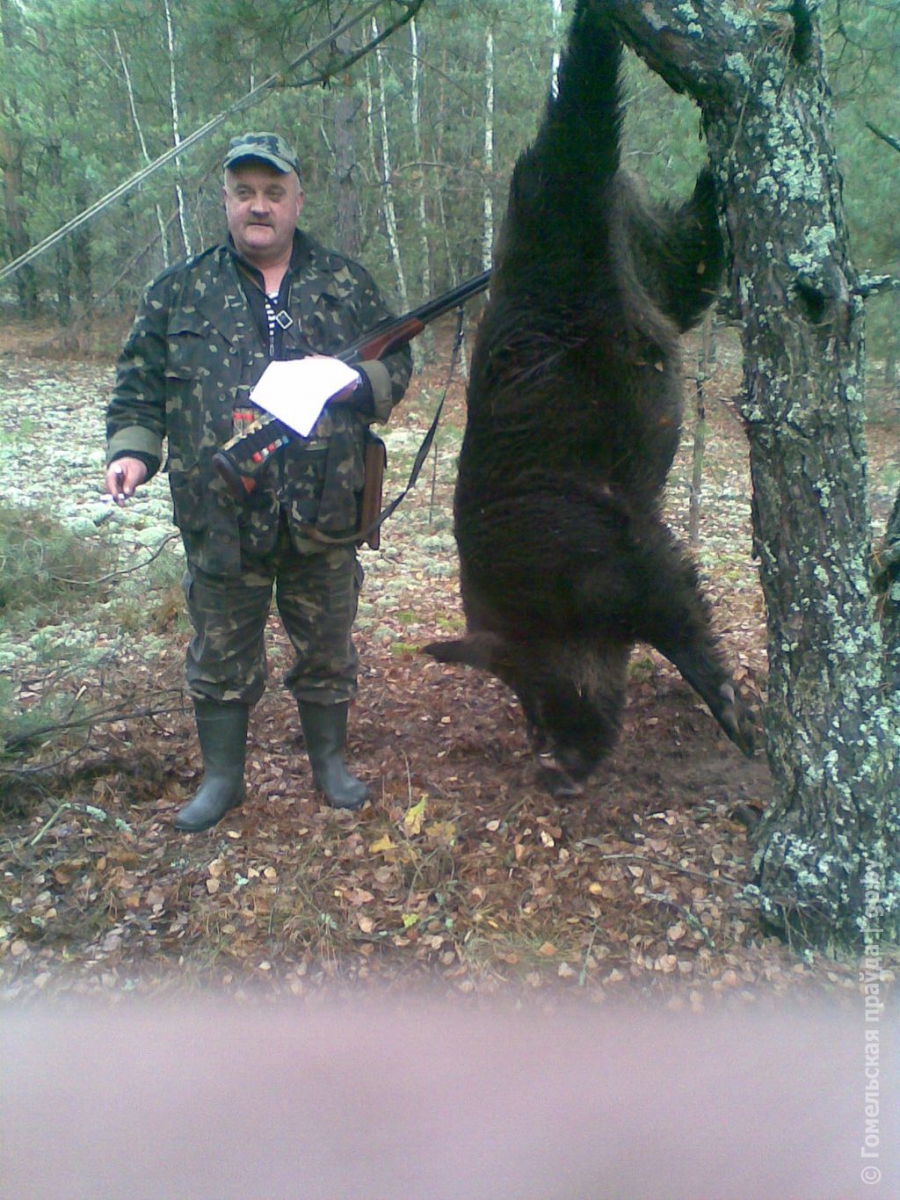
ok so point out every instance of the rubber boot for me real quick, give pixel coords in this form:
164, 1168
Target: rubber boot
222, 730
325, 733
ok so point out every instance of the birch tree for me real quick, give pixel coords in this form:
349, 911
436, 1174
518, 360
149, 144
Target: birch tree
382, 139
415, 111
487, 203
176, 126
139, 134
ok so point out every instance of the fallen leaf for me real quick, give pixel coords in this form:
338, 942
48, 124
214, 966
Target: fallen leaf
412, 821
441, 831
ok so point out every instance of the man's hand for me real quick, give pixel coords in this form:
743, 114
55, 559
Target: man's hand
123, 476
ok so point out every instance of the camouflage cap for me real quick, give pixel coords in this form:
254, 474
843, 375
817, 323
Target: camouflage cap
267, 147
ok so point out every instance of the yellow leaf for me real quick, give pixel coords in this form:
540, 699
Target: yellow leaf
412, 822
382, 845
441, 831
409, 919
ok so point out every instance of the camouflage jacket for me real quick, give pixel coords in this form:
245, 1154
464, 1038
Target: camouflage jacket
185, 375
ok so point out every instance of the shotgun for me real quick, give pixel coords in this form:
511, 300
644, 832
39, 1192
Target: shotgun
239, 459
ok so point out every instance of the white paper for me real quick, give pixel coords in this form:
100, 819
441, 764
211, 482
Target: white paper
297, 391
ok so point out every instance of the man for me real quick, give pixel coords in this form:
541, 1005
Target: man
204, 333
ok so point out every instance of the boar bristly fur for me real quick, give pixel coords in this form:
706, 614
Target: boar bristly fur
574, 410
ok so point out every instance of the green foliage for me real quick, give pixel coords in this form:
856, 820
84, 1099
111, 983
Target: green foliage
50, 573
45, 568
46, 573
92, 87
57, 589
667, 154
862, 39
22, 728
86, 95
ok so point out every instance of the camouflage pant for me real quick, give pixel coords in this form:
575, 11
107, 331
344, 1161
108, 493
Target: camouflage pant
316, 595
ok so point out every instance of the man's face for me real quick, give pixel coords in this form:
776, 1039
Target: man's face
262, 206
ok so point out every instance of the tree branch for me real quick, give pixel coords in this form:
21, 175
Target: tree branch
698, 58
339, 65
893, 142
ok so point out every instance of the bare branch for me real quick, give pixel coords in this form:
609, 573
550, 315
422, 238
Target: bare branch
667, 37
893, 142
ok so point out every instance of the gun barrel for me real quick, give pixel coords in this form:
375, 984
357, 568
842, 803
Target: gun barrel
384, 333
452, 299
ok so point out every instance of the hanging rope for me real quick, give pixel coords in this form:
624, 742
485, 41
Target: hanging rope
247, 101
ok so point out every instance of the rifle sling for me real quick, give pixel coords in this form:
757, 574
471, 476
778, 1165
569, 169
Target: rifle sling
363, 535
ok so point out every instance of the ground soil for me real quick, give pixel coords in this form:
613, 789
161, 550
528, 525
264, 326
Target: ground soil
461, 876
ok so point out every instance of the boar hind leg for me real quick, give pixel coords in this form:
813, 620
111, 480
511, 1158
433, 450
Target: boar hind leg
656, 597
699, 661
675, 618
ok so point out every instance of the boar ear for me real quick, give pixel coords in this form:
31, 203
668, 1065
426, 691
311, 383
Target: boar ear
476, 650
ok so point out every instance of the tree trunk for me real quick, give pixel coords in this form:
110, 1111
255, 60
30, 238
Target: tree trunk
831, 839
387, 172
63, 267
487, 203
142, 141
185, 237
82, 250
12, 161
698, 450
344, 111
415, 114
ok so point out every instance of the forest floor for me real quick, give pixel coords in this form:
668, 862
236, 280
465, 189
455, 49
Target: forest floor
460, 877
